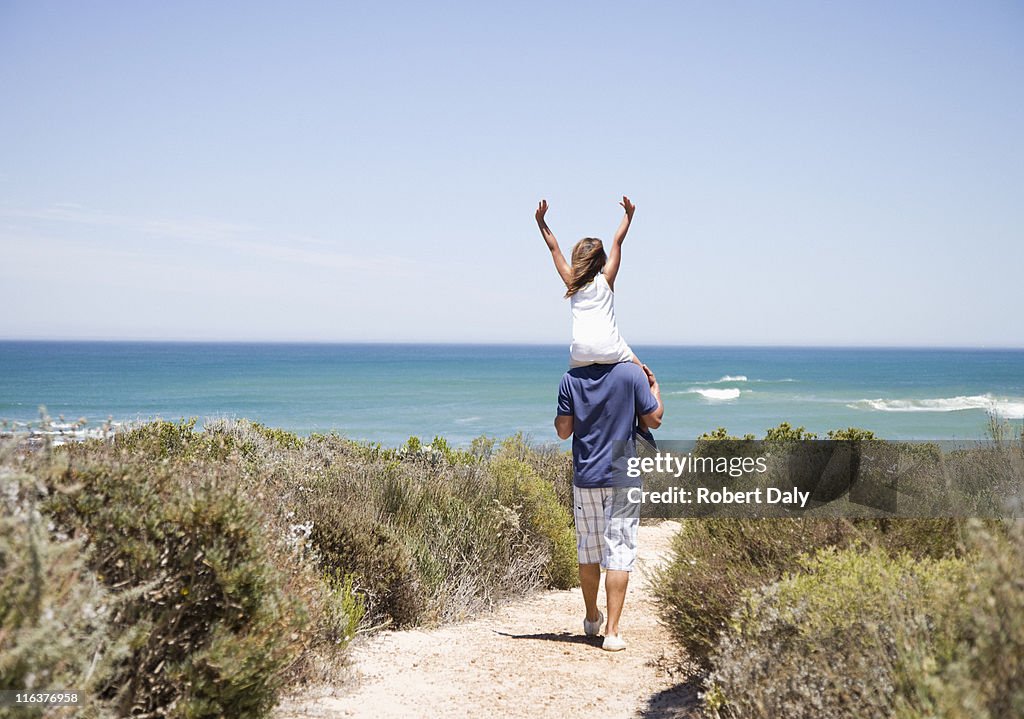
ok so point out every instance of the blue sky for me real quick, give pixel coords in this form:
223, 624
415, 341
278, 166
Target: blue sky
804, 173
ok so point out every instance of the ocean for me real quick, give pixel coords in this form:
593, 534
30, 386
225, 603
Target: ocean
388, 392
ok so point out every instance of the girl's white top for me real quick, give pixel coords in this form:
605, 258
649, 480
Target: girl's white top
595, 336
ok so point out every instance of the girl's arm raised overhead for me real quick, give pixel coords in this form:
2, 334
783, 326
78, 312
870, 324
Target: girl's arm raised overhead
549, 239
611, 266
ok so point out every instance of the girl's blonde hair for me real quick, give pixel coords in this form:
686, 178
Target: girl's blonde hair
588, 259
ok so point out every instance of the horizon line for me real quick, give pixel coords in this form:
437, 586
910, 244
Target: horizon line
465, 343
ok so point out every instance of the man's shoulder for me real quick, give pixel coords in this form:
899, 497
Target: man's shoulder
621, 371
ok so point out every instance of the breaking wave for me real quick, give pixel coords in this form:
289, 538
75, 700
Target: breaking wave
1006, 408
715, 395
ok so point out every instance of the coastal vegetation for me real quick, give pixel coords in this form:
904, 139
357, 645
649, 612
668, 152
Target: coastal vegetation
173, 572
166, 571
826, 616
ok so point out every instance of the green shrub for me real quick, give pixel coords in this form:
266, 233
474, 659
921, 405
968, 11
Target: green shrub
933, 538
345, 609
721, 433
374, 558
851, 434
986, 678
942, 646
280, 437
162, 440
829, 641
720, 443
547, 518
431, 535
472, 550
219, 630
785, 434
240, 557
549, 462
715, 561
54, 613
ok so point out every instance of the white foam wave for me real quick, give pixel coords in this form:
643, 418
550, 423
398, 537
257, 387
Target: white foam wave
715, 395
744, 378
1006, 408
467, 420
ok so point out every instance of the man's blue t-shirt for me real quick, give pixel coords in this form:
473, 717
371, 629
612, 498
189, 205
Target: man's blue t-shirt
604, 401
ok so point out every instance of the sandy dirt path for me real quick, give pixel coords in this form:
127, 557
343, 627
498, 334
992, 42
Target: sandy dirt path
527, 659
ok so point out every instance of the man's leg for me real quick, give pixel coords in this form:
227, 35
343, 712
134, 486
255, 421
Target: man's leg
620, 542
589, 516
590, 581
616, 582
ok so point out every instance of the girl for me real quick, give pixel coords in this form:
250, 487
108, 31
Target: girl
589, 283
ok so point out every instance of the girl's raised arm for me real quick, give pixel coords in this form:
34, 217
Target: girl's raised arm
611, 266
561, 265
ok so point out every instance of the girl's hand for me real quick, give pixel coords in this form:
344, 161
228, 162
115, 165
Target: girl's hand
651, 379
542, 207
628, 206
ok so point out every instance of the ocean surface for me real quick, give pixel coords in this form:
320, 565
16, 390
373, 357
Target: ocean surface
387, 393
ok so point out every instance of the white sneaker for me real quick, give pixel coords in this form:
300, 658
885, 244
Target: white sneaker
592, 629
613, 643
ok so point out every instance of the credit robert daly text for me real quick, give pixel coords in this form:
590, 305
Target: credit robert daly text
706, 495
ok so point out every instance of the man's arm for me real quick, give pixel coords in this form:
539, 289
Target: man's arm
561, 265
564, 415
611, 266
563, 426
653, 419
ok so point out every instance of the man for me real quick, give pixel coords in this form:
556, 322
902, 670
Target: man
599, 405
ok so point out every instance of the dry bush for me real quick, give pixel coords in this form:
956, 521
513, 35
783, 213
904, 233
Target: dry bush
830, 641
435, 535
240, 558
420, 533
54, 613
986, 678
715, 561
216, 630
915, 617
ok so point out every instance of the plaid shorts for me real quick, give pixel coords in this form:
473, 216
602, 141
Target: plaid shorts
606, 526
